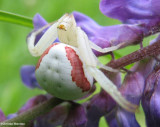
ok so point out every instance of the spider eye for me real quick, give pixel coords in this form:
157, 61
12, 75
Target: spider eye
62, 27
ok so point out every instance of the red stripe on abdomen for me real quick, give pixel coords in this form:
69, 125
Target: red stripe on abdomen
45, 53
77, 72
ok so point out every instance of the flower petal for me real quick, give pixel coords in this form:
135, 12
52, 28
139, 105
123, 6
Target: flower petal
39, 21
10, 116
98, 106
33, 102
132, 87
2, 116
128, 9
111, 119
143, 12
54, 118
126, 119
101, 104
150, 100
144, 67
76, 117
28, 76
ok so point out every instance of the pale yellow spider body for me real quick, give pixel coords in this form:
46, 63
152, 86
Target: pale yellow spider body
67, 32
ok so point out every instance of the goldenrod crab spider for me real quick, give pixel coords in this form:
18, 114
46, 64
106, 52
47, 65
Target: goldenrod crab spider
67, 69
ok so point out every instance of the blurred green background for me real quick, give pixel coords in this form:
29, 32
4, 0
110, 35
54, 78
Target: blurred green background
13, 48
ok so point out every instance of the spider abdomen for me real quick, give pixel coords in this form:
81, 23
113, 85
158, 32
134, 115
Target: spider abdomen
62, 73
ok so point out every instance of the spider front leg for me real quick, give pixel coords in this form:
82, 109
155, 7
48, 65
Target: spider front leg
104, 50
90, 61
46, 40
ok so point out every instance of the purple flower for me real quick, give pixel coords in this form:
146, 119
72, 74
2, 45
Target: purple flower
150, 100
114, 77
38, 22
144, 67
153, 41
33, 102
76, 116
126, 119
128, 9
132, 89
111, 119
66, 114
121, 118
134, 82
54, 118
145, 13
10, 116
101, 103
28, 76
2, 116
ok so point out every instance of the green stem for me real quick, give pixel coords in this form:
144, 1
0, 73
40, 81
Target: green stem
33, 113
16, 19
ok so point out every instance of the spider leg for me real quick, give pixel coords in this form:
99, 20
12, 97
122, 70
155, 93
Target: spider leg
107, 68
87, 53
91, 62
111, 89
45, 41
90, 55
104, 50
85, 49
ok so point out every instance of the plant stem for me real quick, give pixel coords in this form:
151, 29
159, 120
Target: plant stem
34, 112
16, 19
149, 51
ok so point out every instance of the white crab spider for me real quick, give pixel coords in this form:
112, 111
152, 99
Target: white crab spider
56, 71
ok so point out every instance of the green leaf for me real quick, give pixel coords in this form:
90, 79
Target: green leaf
16, 19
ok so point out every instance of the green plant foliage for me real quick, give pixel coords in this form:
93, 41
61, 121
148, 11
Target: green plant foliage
16, 19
